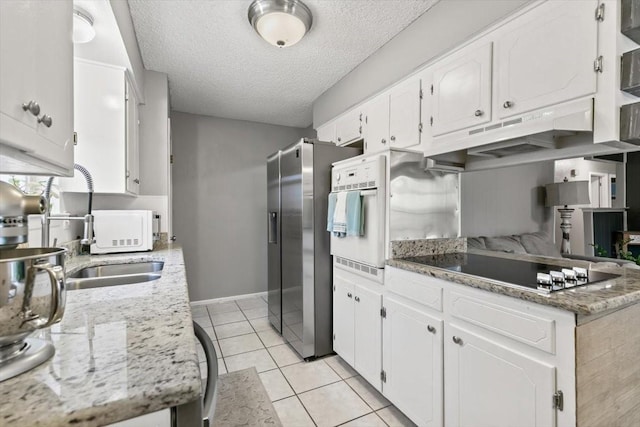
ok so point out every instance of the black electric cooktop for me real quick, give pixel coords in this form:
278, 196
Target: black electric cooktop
532, 275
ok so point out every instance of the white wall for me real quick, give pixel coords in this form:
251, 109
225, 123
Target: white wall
443, 27
220, 201
505, 201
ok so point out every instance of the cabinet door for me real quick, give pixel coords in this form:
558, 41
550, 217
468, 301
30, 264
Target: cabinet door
54, 82
462, 91
413, 362
404, 114
327, 132
343, 321
18, 67
546, 57
368, 334
132, 141
349, 127
487, 384
377, 124
36, 68
100, 121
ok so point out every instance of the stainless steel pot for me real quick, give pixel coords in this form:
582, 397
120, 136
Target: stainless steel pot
32, 294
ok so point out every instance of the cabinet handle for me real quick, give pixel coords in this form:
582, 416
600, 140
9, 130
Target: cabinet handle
128, 174
349, 294
507, 104
384, 141
457, 340
360, 130
32, 107
478, 113
137, 181
431, 329
339, 139
45, 120
393, 138
357, 299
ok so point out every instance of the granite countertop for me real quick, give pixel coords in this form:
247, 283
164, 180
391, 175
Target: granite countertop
121, 352
587, 300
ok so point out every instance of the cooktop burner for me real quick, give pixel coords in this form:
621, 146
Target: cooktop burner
532, 275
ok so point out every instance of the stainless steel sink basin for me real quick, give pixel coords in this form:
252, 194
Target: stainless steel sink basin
114, 274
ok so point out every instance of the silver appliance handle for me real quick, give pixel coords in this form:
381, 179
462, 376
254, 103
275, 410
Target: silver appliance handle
273, 227
211, 389
368, 192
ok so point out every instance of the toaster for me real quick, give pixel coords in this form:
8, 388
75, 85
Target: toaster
122, 231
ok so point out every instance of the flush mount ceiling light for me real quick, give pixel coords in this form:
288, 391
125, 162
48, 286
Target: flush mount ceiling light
281, 23
83, 31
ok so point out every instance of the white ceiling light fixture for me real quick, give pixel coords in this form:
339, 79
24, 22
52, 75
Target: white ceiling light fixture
281, 23
83, 31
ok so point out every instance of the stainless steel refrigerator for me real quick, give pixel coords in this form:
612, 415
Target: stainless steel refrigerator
299, 263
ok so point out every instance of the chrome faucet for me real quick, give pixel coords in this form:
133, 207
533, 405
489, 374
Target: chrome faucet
87, 238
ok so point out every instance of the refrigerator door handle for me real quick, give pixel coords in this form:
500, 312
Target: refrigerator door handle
273, 227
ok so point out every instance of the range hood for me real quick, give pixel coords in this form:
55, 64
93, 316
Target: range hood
539, 130
559, 131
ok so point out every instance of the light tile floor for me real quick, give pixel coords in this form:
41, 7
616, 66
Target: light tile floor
324, 392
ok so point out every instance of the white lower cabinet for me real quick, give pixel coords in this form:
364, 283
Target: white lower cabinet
357, 324
412, 361
457, 356
488, 384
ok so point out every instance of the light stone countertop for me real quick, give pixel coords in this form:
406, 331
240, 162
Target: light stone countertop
121, 352
585, 301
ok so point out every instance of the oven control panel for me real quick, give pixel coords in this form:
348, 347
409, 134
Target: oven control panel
359, 174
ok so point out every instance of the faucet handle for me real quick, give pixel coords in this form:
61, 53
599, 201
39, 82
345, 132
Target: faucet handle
88, 238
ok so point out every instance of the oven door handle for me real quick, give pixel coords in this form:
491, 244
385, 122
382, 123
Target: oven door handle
368, 192
211, 389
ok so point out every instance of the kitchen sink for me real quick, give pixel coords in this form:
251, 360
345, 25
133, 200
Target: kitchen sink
114, 274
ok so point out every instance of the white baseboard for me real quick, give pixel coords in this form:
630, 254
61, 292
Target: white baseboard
223, 299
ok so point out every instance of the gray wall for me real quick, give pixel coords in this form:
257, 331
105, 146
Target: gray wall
506, 201
443, 27
154, 135
220, 201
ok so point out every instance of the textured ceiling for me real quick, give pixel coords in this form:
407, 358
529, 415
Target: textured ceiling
219, 66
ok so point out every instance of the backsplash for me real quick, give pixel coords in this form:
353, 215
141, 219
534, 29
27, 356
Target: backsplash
406, 248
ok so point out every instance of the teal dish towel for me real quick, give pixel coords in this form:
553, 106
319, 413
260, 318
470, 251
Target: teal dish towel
355, 214
333, 198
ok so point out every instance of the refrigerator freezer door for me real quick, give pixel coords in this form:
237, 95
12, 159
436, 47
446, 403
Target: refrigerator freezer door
296, 169
274, 294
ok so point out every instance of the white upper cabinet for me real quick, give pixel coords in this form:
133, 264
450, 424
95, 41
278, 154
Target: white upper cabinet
349, 127
546, 57
404, 114
132, 172
106, 117
327, 132
461, 90
36, 86
377, 124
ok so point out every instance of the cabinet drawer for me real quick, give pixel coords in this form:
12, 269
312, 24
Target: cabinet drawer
416, 287
538, 332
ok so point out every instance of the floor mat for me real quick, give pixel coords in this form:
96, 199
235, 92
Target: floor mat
243, 401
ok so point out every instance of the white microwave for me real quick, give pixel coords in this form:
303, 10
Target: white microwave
122, 231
